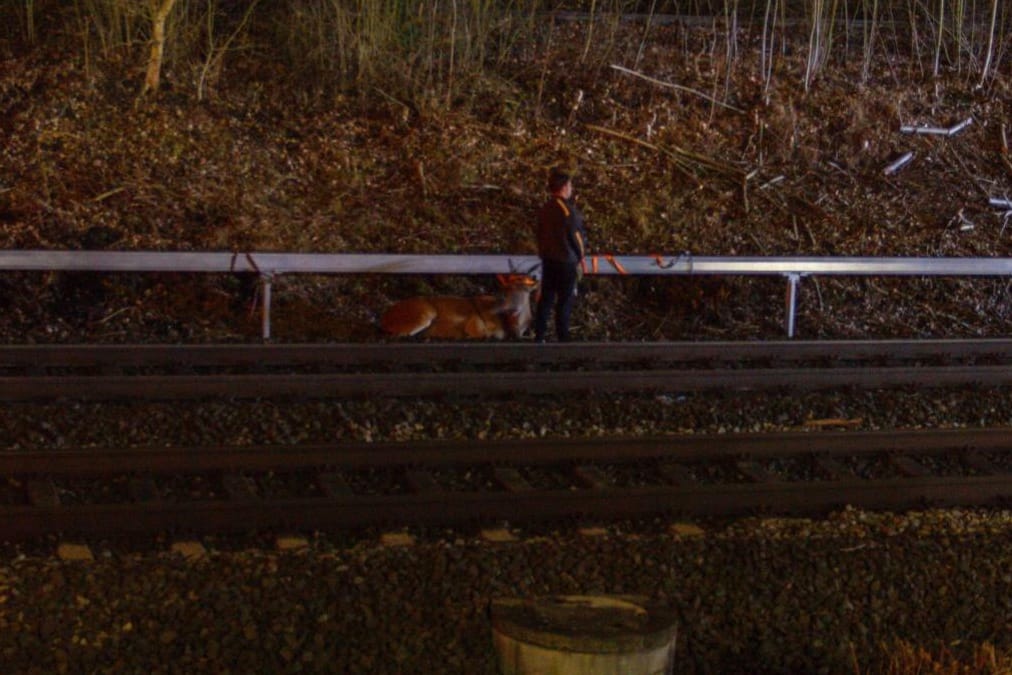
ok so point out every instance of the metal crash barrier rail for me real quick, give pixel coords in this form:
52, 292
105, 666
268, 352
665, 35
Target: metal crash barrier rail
270, 265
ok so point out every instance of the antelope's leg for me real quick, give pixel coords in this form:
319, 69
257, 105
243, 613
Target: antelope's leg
477, 327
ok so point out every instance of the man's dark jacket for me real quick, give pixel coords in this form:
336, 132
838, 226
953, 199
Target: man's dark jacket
560, 233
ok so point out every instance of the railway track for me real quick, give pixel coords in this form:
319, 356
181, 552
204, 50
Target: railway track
201, 490
416, 369
216, 489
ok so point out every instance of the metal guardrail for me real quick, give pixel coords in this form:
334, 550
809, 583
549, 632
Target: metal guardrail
383, 263
268, 265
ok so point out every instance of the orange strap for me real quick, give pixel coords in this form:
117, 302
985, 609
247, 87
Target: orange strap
659, 261
616, 264
594, 264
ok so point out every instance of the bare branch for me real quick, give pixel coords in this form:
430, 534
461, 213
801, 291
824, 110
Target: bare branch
677, 87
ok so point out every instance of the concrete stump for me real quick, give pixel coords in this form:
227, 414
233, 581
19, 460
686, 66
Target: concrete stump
583, 635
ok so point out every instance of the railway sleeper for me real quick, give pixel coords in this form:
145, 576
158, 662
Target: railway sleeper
675, 474
831, 469
754, 472
240, 488
511, 480
592, 477
143, 489
422, 482
42, 493
981, 464
909, 467
334, 485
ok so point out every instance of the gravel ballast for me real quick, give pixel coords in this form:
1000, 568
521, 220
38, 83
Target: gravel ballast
753, 596
829, 596
70, 424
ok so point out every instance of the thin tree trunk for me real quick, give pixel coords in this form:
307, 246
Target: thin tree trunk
990, 44
154, 74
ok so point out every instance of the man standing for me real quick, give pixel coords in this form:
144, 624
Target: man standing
561, 246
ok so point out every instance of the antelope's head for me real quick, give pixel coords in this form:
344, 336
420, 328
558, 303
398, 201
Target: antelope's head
515, 306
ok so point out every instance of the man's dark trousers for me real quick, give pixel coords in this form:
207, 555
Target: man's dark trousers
558, 283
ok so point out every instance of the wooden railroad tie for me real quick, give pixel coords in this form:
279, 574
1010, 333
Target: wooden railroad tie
42, 493
334, 485
909, 467
831, 469
511, 480
240, 488
422, 482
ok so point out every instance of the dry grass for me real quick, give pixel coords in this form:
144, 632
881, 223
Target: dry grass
904, 658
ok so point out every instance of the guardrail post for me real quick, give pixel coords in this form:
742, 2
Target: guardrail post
265, 315
792, 301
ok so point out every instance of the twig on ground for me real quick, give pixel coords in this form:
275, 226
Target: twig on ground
678, 87
677, 160
818, 293
683, 158
945, 315
744, 187
1004, 154
111, 316
108, 193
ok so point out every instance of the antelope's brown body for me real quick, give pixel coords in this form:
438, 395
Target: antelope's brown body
460, 318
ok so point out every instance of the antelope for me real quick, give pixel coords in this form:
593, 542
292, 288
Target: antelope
507, 314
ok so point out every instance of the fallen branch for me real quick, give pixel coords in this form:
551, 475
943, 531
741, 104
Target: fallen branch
1004, 150
656, 148
677, 87
107, 194
113, 315
683, 158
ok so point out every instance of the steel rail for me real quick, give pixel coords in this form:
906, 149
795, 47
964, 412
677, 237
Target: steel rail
450, 508
399, 385
378, 455
446, 506
228, 355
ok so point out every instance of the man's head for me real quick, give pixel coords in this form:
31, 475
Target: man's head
559, 181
